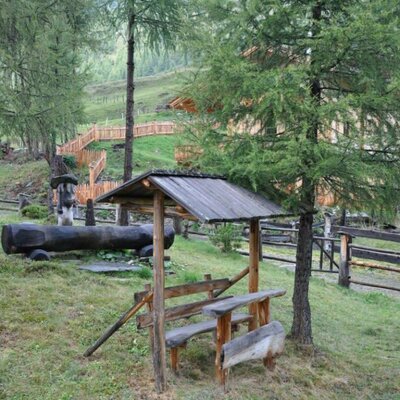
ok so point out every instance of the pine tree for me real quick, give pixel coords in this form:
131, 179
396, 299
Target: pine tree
304, 98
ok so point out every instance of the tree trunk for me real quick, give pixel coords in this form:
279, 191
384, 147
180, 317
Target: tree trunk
130, 103
301, 327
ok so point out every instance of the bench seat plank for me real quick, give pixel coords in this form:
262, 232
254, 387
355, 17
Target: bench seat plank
178, 336
226, 306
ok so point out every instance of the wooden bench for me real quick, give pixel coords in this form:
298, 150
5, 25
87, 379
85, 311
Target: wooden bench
178, 337
247, 347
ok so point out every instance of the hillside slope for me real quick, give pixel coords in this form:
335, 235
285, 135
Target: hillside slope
105, 102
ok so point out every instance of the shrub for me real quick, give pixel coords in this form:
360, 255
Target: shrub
70, 161
35, 211
227, 237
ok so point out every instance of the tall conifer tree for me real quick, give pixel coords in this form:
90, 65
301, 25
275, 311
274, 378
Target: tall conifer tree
305, 99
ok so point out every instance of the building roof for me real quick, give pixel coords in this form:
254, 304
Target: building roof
208, 198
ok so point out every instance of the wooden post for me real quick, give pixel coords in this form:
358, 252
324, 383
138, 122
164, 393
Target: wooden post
254, 249
159, 360
223, 336
149, 306
207, 277
89, 216
344, 270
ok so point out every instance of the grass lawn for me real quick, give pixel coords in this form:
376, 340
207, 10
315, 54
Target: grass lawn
105, 102
51, 313
148, 153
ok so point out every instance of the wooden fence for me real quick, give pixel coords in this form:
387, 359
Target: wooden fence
85, 191
97, 166
349, 251
96, 133
97, 160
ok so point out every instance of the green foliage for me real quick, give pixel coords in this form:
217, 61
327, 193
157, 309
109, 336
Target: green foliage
41, 80
70, 161
187, 276
314, 66
35, 211
144, 273
227, 237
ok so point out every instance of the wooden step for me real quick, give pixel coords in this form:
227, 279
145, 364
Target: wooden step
178, 336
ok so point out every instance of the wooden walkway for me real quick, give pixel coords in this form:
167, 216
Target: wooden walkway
97, 160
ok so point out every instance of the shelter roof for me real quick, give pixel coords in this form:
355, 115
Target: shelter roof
208, 198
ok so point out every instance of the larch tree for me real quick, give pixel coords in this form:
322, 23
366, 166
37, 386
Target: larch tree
42, 83
297, 98
150, 24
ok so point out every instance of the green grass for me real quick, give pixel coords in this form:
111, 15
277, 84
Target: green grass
51, 313
148, 153
24, 177
105, 102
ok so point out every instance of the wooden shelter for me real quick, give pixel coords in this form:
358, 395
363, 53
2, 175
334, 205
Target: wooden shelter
193, 196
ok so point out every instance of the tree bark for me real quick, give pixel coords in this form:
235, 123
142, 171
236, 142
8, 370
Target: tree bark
130, 103
301, 327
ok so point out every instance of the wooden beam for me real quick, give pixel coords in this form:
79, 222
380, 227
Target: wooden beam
232, 281
254, 249
159, 357
113, 328
373, 266
188, 288
392, 237
169, 211
177, 312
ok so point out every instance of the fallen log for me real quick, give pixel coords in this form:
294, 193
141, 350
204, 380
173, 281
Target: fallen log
266, 342
24, 238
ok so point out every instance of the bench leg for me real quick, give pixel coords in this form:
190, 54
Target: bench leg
264, 315
223, 336
174, 359
269, 362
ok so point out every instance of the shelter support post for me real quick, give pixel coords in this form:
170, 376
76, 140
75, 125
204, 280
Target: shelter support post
254, 256
159, 357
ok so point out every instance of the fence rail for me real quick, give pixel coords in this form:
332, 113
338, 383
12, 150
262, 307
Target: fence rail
85, 191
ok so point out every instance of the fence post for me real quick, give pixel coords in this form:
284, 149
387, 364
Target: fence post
344, 270
95, 132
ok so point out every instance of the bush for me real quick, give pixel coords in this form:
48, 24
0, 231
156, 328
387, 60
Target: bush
35, 211
70, 161
227, 237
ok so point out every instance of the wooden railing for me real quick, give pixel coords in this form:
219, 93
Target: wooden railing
97, 160
96, 133
97, 166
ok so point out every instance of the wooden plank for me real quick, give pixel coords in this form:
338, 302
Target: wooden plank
254, 249
371, 254
373, 266
228, 305
178, 336
265, 342
159, 356
386, 251
177, 312
189, 288
392, 237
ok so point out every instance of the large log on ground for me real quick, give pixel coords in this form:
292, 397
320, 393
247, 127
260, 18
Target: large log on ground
264, 342
24, 238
